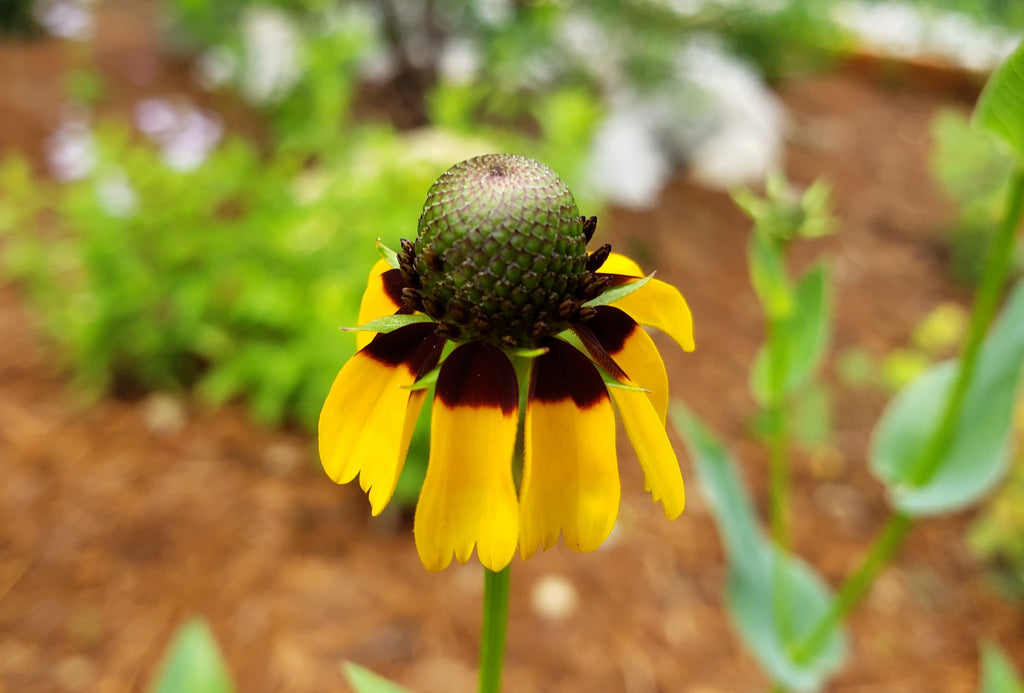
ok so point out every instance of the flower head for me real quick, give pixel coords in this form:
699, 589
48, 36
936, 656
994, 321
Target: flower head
499, 293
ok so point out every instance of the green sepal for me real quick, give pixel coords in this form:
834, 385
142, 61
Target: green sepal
527, 353
427, 381
610, 381
390, 323
388, 254
616, 292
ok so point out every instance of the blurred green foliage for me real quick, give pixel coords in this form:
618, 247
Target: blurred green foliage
974, 171
16, 18
193, 663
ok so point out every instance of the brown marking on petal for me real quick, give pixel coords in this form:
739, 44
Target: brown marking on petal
612, 327
393, 285
416, 346
564, 373
477, 374
598, 352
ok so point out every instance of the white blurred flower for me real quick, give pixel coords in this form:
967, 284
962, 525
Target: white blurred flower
116, 196
626, 163
716, 117
67, 19
460, 61
185, 134
215, 68
745, 138
71, 151
271, 54
902, 29
494, 12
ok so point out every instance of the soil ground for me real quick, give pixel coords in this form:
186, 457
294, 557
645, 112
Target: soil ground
118, 520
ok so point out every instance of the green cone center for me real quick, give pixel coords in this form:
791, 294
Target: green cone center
501, 252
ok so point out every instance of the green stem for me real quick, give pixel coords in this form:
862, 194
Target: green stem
856, 585
493, 628
778, 444
997, 266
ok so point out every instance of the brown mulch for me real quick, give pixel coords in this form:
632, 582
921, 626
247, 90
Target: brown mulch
119, 519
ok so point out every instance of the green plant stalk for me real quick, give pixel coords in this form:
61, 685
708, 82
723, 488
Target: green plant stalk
778, 444
856, 585
493, 628
997, 266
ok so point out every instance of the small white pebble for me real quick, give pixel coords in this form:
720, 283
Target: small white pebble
554, 597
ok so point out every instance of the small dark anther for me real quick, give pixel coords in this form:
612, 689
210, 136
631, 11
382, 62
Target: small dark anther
482, 325
431, 308
408, 248
585, 313
411, 298
507, 341
456, 312
540, 328
447, 331
598, 257
566, 308
589, 226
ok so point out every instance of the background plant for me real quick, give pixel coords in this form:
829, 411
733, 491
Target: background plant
942, 443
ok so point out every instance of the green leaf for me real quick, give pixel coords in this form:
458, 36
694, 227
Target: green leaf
979, 451
755, 565
1000, 108
997, 673
365, 681
388, 254
390, 323
768, 276
805, 333
616, 292
193, 664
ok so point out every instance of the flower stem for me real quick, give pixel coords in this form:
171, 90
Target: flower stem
778, 443
856, 585
997, 266
492, 630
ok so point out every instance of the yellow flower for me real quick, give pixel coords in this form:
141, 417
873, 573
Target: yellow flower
593, 352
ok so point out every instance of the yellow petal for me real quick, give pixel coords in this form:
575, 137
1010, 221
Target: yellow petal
383, 296
620, 264
570, 478
660, 305
633, 350
657, 458
655, 304
469, 496
368, 418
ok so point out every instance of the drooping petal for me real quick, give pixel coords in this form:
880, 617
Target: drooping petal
620, 264
646, 432
469, 495
621, 339
656, 304
570, 477
367, 421
383, 296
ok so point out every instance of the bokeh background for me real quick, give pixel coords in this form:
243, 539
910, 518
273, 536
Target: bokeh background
190, 191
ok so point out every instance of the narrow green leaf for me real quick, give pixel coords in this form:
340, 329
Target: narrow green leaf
754, 566
1000, 108
806, 335
997, 673
388, 254
389, 323
768, 276
974, 461
616, 292
365, 681
193, 663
